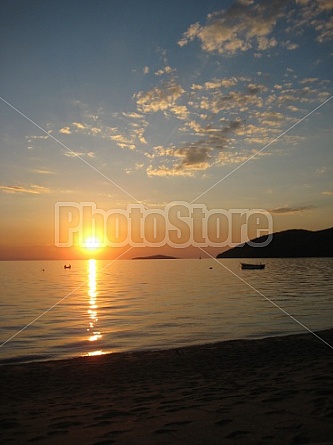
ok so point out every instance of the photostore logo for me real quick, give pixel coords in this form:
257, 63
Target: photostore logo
179, 225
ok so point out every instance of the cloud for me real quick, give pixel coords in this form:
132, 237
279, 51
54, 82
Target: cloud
314, 14
163, 170
227, 95
244, 25
133, 115
232, 157
327, 192
32, 189
290, 45
181, 161
137, 166
79, 126
82, 154
308, 80
123, 142
165, 70
96, 129
290, 210
320, 171
224, 120
128, 134
240, 100
146, 70
43, 172
196, 159
265, 112
40, 136
34, 139
265, 43
195, 156
215, 136
131, 134
247, 25
293, 109
180, 111
159, 98
324, 29
220, 83
325, 5
65, 130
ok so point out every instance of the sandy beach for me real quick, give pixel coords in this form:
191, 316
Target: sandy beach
269, 391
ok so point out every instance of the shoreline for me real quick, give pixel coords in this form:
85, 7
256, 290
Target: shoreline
263, 391
27, 361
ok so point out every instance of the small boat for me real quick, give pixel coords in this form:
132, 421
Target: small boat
67, 267
252, 266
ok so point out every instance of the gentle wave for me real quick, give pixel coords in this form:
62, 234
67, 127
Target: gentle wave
136, 305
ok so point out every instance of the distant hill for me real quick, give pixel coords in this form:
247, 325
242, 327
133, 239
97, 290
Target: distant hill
155, 257
287, 244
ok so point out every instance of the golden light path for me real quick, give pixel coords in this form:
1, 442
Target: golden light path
94, 334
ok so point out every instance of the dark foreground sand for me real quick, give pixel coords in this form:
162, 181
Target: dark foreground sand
272, 391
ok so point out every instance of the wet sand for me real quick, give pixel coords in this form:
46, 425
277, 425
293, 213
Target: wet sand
270, 391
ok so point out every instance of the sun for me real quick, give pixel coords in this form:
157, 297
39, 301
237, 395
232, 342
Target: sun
92, 243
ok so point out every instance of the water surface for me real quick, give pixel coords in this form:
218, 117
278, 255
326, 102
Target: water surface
101, 307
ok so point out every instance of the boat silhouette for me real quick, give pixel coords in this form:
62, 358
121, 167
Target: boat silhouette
252, 266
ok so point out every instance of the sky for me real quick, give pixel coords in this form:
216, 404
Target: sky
226, 104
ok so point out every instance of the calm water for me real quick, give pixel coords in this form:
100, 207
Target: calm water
128, 305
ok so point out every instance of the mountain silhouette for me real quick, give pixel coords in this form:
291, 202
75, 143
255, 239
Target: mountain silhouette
296, 243
155, 257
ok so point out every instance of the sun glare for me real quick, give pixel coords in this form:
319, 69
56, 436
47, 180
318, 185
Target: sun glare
92, 243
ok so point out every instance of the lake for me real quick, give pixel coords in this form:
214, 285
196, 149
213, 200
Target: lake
99, 307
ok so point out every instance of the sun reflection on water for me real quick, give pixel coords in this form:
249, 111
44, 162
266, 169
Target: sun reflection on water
94, 334
94, 353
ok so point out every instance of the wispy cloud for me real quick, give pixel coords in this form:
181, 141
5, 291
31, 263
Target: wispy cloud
82, 154
32, 189
290, 210
123, 141
137, 166
167, 171
42, 171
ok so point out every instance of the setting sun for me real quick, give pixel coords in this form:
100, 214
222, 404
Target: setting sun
92, 243
91, 246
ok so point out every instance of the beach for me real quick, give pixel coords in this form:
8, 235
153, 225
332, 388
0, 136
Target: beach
264, 391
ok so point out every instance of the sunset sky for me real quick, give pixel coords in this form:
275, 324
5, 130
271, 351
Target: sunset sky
126, 101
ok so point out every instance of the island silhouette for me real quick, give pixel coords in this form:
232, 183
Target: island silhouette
295, 243
155, 257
